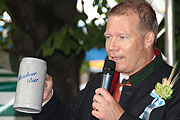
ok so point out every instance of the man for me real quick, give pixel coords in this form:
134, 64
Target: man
130, 37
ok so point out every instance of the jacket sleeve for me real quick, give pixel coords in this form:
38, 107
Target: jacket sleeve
51, 110
55, 109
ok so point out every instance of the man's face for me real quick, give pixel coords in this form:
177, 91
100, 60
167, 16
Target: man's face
125, 44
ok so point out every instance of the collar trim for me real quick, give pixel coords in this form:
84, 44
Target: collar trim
143, 73
147, 70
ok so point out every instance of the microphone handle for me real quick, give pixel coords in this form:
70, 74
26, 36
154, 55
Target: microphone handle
106, 83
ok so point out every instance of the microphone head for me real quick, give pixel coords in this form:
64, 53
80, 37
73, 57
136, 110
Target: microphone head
109, 67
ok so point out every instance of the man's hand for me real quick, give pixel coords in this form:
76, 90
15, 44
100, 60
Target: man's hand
47, 88
105, 106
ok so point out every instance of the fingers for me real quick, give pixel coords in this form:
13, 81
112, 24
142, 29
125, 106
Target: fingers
100, 99
96, 102
48, 82
103, 92
48, 85
48, 77
97, 106
105, 107
95, 113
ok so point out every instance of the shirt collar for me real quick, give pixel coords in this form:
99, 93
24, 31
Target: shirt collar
122, 77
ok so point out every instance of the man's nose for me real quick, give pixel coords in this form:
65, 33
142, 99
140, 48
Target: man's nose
113, 44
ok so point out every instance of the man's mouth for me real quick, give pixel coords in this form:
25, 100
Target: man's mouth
116, 59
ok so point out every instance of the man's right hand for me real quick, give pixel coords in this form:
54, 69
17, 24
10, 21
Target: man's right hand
47, 88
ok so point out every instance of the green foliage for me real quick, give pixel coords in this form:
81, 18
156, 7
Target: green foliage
177, 28
63, 39
118, 1
94, 36
5, 43
161, 41
84, 66
2, 6
69, 39
72, 38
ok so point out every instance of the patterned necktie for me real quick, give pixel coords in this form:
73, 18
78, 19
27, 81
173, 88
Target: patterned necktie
118, 88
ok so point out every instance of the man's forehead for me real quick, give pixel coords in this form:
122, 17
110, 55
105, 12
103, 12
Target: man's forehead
134, 16
124, 18
122, 24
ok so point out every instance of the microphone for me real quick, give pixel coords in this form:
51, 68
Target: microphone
108, 74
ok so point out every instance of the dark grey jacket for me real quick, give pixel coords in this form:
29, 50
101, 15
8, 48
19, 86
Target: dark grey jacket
134, 99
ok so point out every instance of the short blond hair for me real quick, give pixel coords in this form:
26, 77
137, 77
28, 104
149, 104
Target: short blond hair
146, 14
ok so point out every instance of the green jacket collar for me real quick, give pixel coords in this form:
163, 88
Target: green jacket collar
147, 70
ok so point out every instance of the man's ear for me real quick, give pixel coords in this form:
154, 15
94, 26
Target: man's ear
149, 39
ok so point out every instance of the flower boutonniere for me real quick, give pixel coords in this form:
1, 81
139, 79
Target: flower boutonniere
165, 90
161, 93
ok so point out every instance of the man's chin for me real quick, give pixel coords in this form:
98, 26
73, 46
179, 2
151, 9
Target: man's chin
121, 70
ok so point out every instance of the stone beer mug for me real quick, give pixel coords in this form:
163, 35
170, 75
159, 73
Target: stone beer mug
30, 85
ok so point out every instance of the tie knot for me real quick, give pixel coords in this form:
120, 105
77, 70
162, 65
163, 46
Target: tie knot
125, 81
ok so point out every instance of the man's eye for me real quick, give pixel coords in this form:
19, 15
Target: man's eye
108, 37
122, 37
